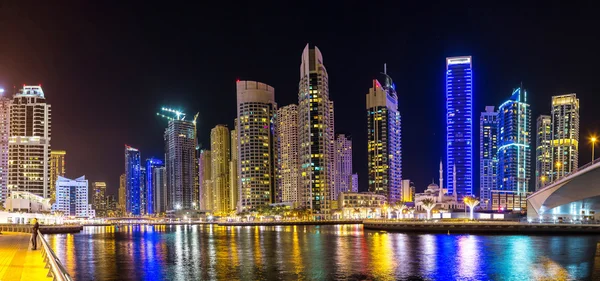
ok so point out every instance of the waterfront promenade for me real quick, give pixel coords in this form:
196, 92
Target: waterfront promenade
18, 261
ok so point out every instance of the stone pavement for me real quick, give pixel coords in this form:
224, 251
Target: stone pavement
18, 261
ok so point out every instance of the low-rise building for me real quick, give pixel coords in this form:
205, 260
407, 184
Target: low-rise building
360, 205
442, 200
508, 200
22, 201
72, 197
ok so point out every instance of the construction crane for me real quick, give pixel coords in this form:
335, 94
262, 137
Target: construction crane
178, 115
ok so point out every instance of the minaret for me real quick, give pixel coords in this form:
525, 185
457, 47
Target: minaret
454, 183
441, 195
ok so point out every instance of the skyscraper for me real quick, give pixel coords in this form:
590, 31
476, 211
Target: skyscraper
29, 142
565, 135
459, 125
288, 167
122, 195
256, 120
204, 177
343, 165
233, 172
514, 143
57, 168
132, 181
180, 161
315, 132
99, 198
219, 147
152, 189
488, 150
543, 152
5, 103
159, 186
143, 190
384, 143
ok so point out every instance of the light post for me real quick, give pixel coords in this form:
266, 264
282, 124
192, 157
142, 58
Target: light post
593, 140
558, 170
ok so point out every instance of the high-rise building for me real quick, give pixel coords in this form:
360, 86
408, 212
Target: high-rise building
57, 168
514, 143
354, 183
543, 152
315, 132
488, 150
219, 150
256, 120
459, 125
99, 198
143, 190
152, 190
5, 103
72, 197
29, 142
343, 165
408, 191
132, 181
565, 135
288, 168
122, 195
159, 187
180, 160
204, 177
384, 143
233, 172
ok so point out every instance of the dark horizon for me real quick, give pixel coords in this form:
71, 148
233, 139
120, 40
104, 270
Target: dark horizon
106, 70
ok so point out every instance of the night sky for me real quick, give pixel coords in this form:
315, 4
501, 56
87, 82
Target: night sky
107, 67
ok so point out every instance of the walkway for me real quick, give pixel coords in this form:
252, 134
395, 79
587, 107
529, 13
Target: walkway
18, 261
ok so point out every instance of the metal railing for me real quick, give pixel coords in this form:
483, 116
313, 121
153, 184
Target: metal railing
56, 270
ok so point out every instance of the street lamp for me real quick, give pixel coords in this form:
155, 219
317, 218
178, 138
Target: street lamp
558, 164
593, 140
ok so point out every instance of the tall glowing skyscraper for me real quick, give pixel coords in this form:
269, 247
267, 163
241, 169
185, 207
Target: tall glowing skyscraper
153, 187
29, 142
256, 126
514, 143
5, 103
180, 161
57, 168
143, 190
287, 133
459, 125
384, 142
342, 165
488, 150
99, 198
565, 135
219, 148
204, 178
543, 152
132, 181
233, 172
315, 132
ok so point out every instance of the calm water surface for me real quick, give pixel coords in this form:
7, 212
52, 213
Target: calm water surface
317, 253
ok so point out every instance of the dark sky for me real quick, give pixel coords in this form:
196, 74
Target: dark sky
107, 67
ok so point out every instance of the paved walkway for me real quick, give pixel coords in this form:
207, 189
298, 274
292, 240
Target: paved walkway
18, 261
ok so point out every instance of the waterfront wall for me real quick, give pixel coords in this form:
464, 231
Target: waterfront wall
44, 229
274, 223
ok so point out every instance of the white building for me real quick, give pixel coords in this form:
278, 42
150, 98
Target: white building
439, 195
29, 142
360, 205
5, 103
21, 201
72, 197
565, 135
287, 133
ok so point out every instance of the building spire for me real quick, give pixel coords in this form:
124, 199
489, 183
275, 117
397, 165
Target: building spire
385, 68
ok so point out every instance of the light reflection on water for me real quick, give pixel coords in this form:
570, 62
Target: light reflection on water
183, 252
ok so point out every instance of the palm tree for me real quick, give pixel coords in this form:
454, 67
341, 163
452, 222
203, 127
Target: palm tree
428, 204
471, 202
401, 206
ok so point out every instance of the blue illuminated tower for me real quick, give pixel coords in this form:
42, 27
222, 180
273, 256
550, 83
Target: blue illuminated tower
459, 125
132, 180
151, 187
514, 143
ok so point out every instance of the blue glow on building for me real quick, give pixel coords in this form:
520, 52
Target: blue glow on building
132, 180
459, 125
151, 163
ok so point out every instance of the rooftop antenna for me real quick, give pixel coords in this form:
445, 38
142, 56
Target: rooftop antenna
385, 68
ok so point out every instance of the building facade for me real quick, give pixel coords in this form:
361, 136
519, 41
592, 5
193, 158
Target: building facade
315, 132
514, 143
543, 152
99, 198
220, 153
29, 142
180, 161
408, 191
256, 126
459, 125
159, 187
384, 143
488, 154
204, 177
233, 172
343, 165
506, 200
122, 195
57, 168
5, 103
565, 135
354, 183
72, 197
288, 162
133, 185
152, 191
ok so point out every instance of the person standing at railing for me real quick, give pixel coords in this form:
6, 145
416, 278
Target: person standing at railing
34, 234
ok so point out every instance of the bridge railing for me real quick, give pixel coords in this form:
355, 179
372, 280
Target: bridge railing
56, 269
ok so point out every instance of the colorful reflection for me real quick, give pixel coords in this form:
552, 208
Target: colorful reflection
347, 252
